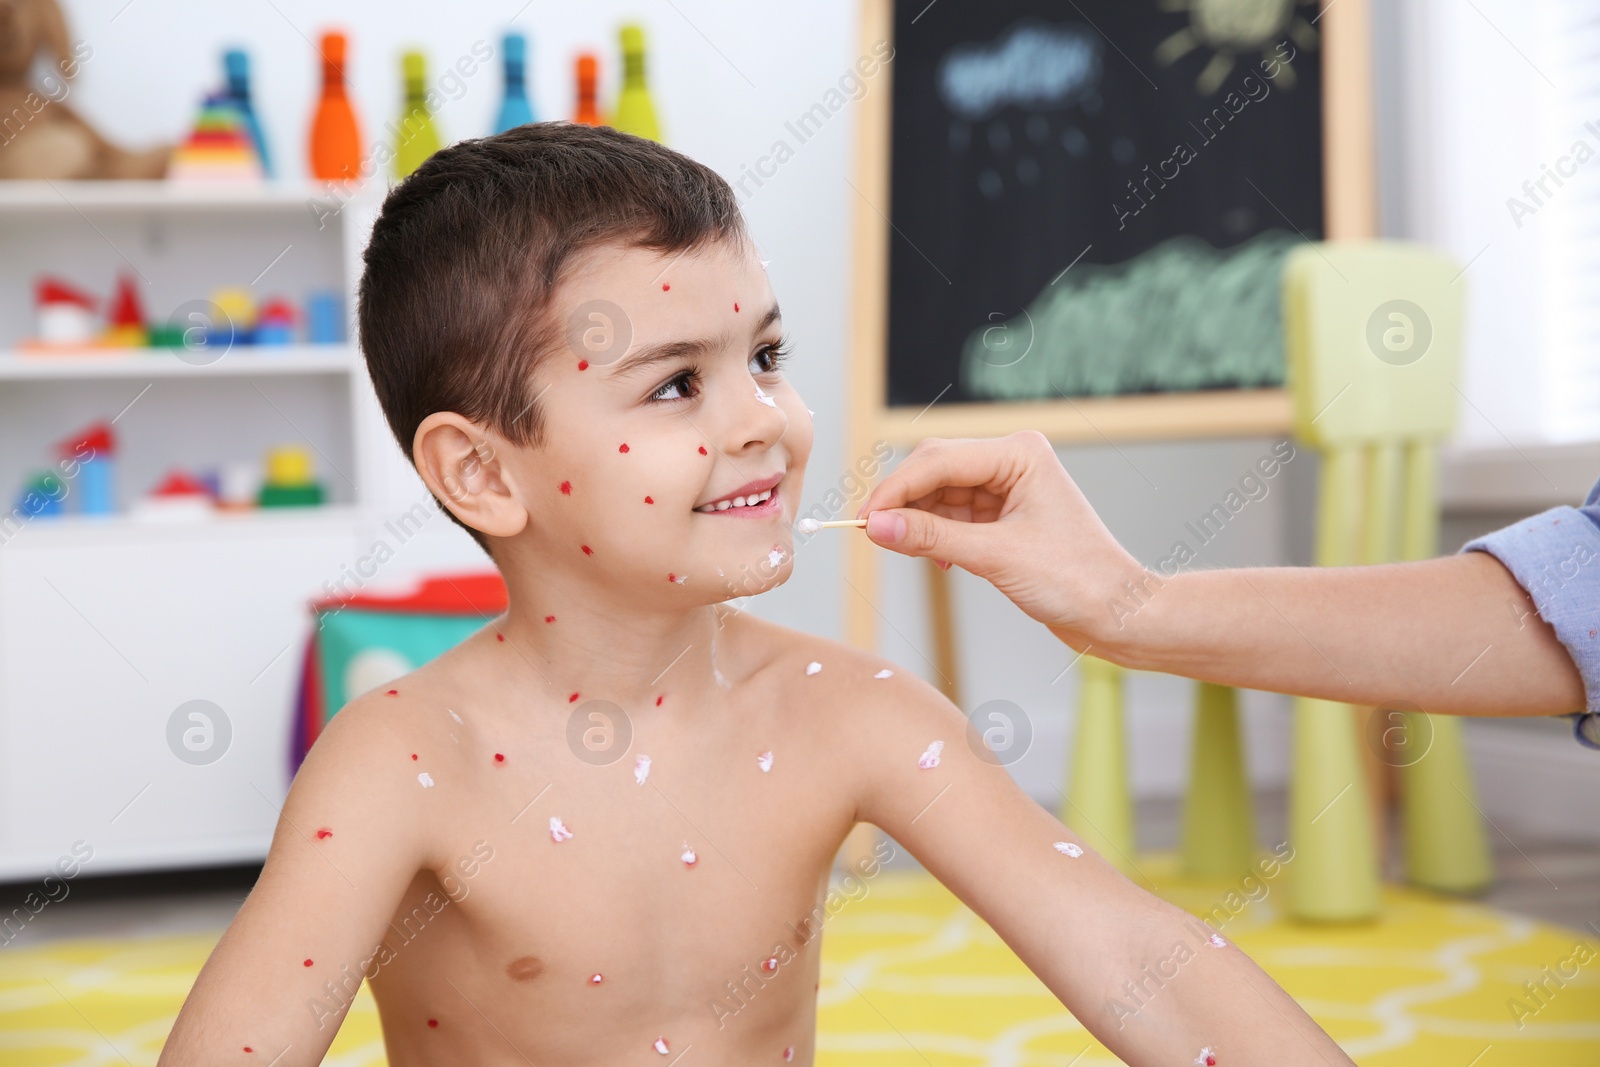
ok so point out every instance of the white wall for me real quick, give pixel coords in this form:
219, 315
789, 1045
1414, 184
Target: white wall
727, 76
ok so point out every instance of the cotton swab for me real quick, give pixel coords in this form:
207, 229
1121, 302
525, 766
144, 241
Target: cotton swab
811, 526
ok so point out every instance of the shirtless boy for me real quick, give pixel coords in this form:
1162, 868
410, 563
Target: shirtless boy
571, 838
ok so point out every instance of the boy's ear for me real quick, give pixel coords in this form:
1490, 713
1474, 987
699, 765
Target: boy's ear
461, 464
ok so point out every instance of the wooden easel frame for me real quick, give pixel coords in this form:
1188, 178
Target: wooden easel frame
1350, 212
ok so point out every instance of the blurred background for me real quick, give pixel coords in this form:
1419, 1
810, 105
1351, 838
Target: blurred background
175, 302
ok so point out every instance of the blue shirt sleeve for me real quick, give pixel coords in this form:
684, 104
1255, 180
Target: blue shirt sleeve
1555, 556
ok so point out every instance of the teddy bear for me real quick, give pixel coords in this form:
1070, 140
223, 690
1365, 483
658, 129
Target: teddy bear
40, 136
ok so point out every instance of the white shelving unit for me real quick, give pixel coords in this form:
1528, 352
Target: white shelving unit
109, 624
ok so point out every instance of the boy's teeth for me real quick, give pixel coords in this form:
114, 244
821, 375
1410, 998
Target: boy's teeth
738, 502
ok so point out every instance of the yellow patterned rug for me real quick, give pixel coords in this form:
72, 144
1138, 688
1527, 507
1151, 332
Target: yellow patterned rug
911, 978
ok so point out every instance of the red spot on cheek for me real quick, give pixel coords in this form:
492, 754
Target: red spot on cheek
392, 693
566, 488
324, 833
736, 309
648, 500
583, 364
549, 618
587, 551
624, 447
413, 755
498, 758
665, 286
247, 1048
659, 699
703, 451
671, 577
308, 963
499, 636
573, 699
433, 1023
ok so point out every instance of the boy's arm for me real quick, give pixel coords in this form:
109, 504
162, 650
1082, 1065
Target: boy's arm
1139, 973
348, 842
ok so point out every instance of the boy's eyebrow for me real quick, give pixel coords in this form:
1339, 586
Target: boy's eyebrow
671, 351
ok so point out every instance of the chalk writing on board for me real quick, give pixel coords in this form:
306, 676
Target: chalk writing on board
1033, 66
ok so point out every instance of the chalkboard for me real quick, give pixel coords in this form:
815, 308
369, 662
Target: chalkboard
1094, 197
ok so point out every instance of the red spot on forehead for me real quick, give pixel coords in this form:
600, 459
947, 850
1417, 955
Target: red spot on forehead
649, 500
549, 618
498, 758
247, 1048
660, 698
413, 755
665, 286
499, 636
587, 551
572, 699
324, 833
703, 451
736, 308
671, 577
583, 364
393, 693
308, 963
623, 447
566, 488
433, 1023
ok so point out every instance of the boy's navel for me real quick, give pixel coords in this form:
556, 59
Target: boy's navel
525, 968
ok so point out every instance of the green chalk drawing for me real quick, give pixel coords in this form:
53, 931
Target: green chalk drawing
1180, 317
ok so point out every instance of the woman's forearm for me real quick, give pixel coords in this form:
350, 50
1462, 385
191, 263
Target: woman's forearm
1456, 634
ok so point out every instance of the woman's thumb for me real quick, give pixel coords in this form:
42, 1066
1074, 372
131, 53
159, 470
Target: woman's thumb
920, 533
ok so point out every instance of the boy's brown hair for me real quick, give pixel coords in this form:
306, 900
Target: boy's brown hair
453, 305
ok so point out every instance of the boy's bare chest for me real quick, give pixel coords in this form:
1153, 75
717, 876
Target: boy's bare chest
650, 885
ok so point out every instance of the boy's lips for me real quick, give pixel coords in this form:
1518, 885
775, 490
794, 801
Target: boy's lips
749, 488
767, 507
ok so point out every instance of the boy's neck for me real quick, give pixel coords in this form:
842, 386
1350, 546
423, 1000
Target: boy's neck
599, 650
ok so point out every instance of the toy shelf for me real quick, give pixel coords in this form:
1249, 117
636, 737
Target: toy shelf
161, 363
109, 625
174, 196
69, 531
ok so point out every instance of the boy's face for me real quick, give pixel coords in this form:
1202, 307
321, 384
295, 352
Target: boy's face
664, 399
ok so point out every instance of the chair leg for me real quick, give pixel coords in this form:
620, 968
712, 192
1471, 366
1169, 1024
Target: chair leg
1446, 848
1219, 839
1335, 866
1098, 805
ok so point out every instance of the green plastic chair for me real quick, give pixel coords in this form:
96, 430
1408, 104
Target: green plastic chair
1373, 335
1373, 394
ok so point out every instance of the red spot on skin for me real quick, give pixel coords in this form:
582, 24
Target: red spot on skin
247, 1048
324, 833
308, 963
1211, 1061
703, 451
413, 755
499, 637
573, 699
671, 577
498, 758
623, 447
770, 964
549, 618
587, 551
649, 500
659, 699
736, 308
566, 488
583, 364
393, 693
665, 286
433, 1023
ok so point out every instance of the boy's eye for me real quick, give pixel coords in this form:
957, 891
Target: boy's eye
685, 384
769, 358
